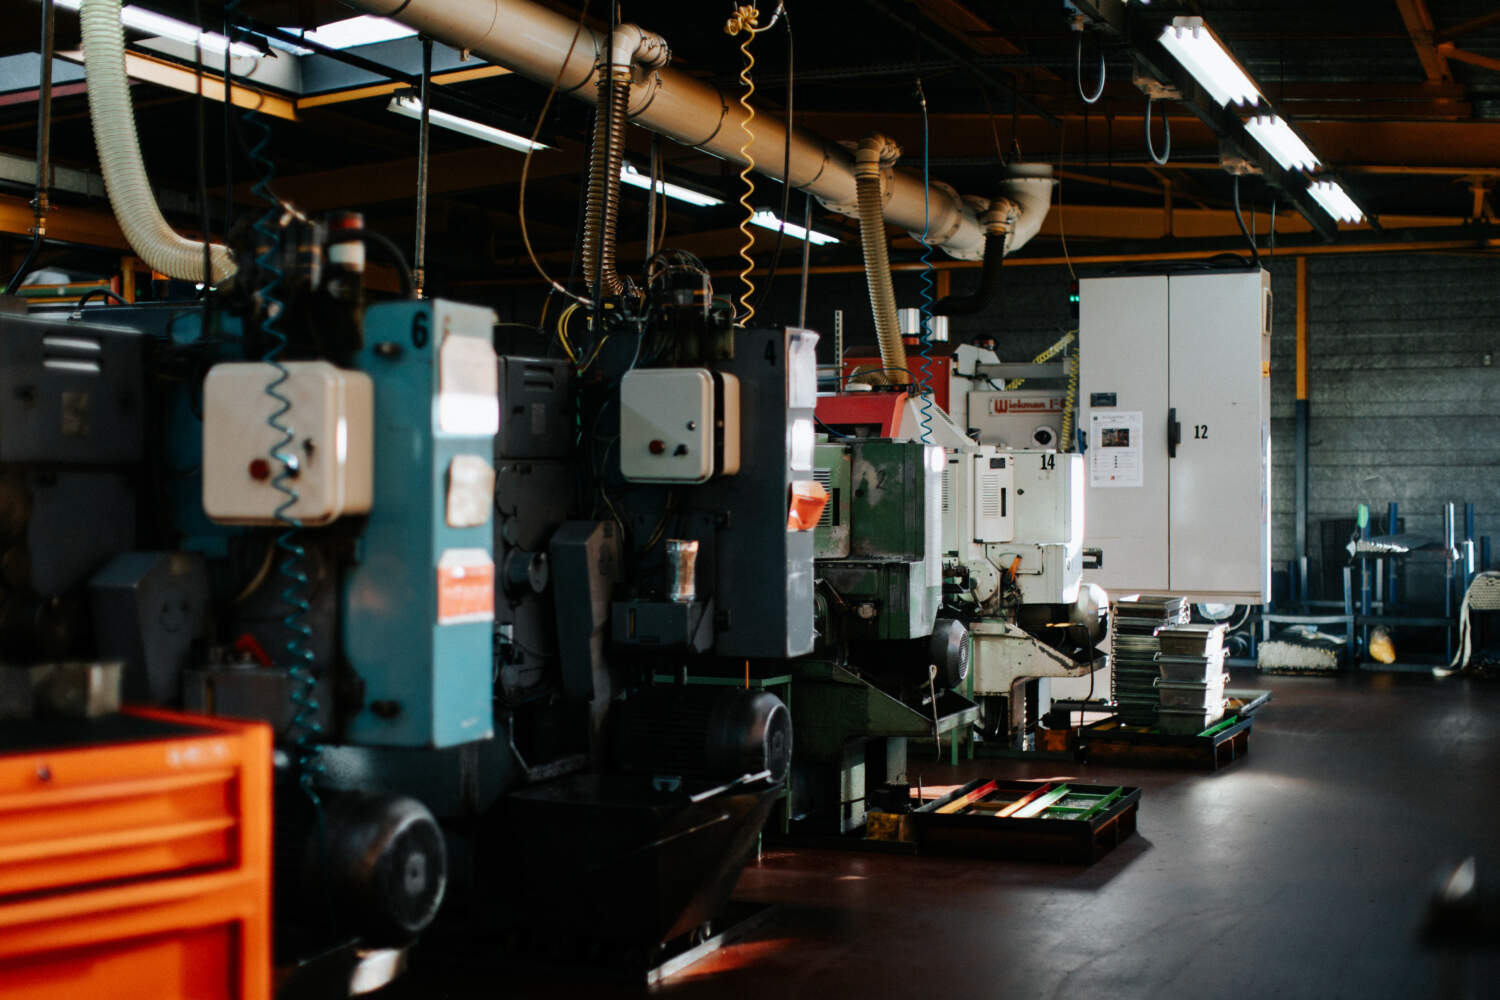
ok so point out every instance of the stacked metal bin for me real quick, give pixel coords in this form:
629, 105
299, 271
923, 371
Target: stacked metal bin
1191, 687
1135, 649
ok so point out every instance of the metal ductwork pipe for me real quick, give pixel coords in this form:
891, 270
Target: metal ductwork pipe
534, 41
875, 155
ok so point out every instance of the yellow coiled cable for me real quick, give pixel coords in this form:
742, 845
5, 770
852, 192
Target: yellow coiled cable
744, 20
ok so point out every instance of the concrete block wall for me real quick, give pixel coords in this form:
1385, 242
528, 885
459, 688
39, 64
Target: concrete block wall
1404, 397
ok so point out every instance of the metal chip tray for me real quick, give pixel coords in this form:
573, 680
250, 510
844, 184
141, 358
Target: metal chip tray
1048, 821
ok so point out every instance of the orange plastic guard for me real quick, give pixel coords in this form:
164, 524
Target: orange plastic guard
806, 509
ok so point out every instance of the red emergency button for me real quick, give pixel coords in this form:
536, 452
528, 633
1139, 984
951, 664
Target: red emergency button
658, 447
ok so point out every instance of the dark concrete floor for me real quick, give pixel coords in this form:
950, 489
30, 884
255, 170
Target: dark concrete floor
1300, 871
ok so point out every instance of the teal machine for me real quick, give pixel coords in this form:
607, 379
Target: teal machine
383, 543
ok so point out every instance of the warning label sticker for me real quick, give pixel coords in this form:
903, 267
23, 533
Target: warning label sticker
465, 587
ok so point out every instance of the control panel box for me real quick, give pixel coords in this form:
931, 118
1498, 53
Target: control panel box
329, 461
1175, 398
678, 425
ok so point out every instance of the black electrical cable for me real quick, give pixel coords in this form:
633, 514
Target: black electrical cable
228, 130
806, 261
1238, 217
43, 146
786, 170
408, 284
201, 122
104, 292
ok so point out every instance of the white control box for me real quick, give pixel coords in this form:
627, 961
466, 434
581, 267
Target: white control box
331, 419
678, 425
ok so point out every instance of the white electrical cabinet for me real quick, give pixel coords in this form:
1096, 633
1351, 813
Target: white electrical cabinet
1175, 399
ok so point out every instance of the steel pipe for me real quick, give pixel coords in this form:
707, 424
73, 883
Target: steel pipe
534, 42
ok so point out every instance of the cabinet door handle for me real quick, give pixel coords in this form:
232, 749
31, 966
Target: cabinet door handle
1174, 433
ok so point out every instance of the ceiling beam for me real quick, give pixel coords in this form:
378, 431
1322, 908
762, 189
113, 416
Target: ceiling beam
1460, 145
1449, 51
1468, 27
1418, 21
395, 180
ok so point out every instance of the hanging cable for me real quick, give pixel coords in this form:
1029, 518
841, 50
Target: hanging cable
1238, 217
786, 163
39, 203
1166, 153
806, 262
526, 162
1078, 72
424, 148
743, 21
924, 350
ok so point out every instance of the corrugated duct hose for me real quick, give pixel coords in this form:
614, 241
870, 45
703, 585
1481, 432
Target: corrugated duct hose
997, 222
605, 159
113, 118
875, 153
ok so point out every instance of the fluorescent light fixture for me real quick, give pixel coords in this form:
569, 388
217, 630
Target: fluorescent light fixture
1335, 201
767, 219
161, 26
1193, 44
363, 30
412, 108
630, 175
1278, 139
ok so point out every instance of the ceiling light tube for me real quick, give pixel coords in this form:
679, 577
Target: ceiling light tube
1335, 201
1278, 139
630, 175
410, 107
1194, 44
766, 219
149, 22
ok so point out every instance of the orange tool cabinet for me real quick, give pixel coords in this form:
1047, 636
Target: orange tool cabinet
135, 858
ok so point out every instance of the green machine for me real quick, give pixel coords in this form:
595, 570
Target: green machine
888, 662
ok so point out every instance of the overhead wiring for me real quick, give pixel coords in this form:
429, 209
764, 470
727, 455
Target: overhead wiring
1166, 152
786, 165
924, 351
526, 163
1078, 72
1240, 218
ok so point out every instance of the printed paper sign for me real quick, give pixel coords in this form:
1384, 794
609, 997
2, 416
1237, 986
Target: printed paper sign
1115, 449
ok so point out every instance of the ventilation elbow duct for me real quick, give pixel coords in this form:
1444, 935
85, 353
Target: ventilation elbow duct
130, 195
1009, 223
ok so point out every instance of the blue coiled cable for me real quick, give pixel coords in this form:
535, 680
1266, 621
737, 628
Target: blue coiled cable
304, 730
924, 369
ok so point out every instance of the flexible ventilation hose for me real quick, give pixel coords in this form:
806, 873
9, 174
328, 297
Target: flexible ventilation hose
605, 159
867, 165
113, 118
997, 229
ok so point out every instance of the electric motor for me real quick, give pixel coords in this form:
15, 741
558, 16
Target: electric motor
696, 732
357, 863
